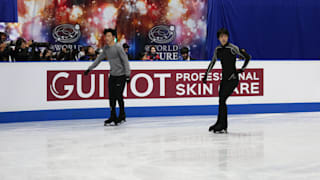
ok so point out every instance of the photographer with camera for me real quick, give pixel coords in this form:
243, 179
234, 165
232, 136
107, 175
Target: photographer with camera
3, 37
21, 52
47, 55
5, 50
64, 55
27, 50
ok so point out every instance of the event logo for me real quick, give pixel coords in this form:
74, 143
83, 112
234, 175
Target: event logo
162, 34
67, 33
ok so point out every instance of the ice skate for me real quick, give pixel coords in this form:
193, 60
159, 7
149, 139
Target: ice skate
217, 128
122, 117
113, 119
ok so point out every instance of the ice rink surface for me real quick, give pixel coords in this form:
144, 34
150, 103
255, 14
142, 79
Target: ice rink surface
258, 147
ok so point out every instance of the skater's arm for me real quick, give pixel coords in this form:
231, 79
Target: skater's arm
98, 60
242, 53
213, 61
124, 60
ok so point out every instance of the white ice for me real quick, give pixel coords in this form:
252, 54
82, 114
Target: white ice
258, 147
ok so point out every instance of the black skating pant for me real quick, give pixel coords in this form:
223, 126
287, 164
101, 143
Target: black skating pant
116, 87
226, 89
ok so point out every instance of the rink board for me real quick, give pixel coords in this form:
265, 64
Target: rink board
58, 90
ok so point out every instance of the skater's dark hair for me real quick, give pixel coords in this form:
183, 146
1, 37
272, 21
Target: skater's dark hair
112, 31
222, 31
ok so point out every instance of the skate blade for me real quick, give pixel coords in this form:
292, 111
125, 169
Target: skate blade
113, 123
108, 123
224, 131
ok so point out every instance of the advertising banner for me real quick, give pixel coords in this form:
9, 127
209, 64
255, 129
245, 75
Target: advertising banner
74, 85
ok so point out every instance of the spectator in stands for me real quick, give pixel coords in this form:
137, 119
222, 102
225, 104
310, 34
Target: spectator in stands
21, 52
81, 53
47, 55
142, 56
90, 54
74, 54
184, 51
153, 55
5, 50
3, 37
36, 54
64, 55
126, 50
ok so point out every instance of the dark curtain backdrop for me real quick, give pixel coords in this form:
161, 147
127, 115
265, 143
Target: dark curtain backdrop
268, 29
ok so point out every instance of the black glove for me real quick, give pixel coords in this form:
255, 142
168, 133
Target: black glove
204, 80
128, 79
86, 72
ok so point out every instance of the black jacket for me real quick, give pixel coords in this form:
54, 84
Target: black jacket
228, 55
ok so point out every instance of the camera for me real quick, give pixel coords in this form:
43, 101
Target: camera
18, 42
40, 44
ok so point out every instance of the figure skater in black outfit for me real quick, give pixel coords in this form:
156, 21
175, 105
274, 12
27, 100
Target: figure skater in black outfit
227, 53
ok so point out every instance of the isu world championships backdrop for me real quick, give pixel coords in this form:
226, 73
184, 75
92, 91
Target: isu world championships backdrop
167, 24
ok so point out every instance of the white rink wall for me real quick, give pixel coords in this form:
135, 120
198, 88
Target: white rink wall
24, 86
